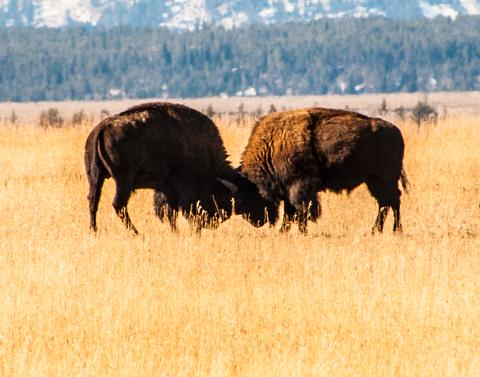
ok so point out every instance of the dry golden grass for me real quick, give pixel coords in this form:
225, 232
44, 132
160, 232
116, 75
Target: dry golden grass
239, 301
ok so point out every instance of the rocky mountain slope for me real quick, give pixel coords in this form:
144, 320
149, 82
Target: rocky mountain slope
190, 14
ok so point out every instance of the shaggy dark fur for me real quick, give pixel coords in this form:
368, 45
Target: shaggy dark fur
174, 150
292, 155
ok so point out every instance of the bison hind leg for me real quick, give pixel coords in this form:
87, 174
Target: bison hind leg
96, 179
387, 194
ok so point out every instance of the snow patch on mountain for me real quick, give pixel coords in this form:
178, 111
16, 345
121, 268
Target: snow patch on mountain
267, 13
234, 21
54, 13
471, 6
289, 7
363, 12
190, 14
326, 4
187, 14
434, 10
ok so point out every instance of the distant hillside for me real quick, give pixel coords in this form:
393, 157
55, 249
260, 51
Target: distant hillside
325, 56
190, 14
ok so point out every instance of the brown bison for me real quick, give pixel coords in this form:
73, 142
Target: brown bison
292, 155
174, 150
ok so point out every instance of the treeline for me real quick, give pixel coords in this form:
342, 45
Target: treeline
325, 56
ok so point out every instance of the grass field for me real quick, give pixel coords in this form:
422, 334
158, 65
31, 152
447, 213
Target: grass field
239, 301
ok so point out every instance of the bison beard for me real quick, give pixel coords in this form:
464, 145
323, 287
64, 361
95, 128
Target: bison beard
292, 155
175, 150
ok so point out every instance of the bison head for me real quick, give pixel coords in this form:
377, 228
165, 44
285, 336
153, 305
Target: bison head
249, 203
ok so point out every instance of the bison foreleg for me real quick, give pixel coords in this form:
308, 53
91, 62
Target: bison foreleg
160, 204
380, 221
302, 195
120, 204
123, 214
303, 218
314, 210
288, 216
163, 210
172, 218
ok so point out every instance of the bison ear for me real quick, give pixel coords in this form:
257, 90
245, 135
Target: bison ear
231, 186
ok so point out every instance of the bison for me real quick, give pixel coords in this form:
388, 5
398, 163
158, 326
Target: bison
178, 152
292, 155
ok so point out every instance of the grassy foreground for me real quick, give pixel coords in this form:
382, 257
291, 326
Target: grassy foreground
239, 301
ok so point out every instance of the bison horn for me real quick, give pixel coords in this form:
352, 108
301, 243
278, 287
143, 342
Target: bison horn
231, 186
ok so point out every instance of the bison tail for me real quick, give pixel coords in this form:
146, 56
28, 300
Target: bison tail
404, 181
99, 153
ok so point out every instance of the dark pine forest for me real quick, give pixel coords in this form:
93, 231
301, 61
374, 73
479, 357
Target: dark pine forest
325, 56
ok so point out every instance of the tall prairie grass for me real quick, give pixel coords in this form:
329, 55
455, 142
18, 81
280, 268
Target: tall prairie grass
239, 301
